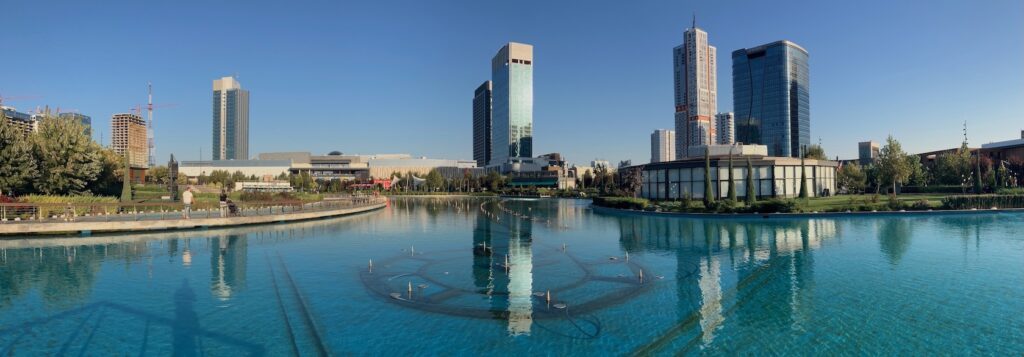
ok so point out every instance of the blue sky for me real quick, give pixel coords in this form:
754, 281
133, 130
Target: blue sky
398, 76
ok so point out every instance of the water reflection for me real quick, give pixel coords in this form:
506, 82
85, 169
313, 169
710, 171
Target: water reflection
227, 265
503, 263
755, 255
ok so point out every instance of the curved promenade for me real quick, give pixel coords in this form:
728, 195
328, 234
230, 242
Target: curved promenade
88, 227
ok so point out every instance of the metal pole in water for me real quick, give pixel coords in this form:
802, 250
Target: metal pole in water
627, 256
641, 276
371, 265
410, 290
548, 297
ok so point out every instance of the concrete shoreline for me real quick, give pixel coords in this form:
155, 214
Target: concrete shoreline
608, 210
88, 227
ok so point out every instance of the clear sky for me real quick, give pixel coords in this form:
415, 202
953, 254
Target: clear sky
398, 76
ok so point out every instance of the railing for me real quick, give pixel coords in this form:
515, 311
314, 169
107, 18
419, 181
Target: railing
12, 213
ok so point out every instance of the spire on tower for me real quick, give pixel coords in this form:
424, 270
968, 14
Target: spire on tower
694, 20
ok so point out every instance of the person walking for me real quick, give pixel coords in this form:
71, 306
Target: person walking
223, 203
186, 198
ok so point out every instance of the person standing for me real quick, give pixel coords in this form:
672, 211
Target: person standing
223, 203
187, 199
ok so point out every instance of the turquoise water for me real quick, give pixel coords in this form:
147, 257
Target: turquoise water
944, 284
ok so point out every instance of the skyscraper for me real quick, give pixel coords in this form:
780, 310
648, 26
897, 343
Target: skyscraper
663, 145
230, 120
725, 133
512, 103
482, 124
771, 96
696, 89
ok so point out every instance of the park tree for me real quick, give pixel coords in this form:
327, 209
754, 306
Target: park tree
893, 164
159, 174
108, 181
977, 175
68, 160
851, 178
17, 166
709, 192
732, 181
434, 180
815, 152
126, 185
751, 193
633, 178
803, 176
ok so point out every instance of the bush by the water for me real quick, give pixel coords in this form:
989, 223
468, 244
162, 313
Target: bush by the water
622, 202
78, 199
933, 189
983, 201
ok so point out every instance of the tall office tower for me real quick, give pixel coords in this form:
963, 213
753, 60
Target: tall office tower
771, 96
85, 120
868, 151
128, 135
230, 120
696, 90
725, 130
512, 103
482, 124
663, 145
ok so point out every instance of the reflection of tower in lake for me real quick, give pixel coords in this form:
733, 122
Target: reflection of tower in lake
227, 265
512, 237
771, 258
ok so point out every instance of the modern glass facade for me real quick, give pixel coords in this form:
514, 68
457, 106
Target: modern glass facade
512, 103
774, 177
482, 124
230, 120
771, 97
85, 120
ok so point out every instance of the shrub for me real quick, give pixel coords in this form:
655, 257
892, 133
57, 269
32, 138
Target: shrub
774, 205
983, 201
622, 202
921, 205
1011, 191
894, 203
932, 189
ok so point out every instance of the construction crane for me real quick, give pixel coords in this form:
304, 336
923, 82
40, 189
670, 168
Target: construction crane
4, 98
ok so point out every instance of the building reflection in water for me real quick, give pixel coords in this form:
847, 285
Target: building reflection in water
752, 260
509, 293
227, 265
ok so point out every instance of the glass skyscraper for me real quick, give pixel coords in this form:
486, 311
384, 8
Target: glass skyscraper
771, 97
512, 103
482, 124
230, 120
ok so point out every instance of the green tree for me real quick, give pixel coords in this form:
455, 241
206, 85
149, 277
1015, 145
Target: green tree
434, 180
851, 178
108, 182
893, 166
709, 195
751, 193
803, 176
159, 174
67, 159
17, 166
815, 152
977, 175
732, 181
126, 186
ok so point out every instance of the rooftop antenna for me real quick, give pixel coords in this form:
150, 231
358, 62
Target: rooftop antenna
694, 20
149, 133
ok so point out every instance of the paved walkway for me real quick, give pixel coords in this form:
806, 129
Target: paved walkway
167, 221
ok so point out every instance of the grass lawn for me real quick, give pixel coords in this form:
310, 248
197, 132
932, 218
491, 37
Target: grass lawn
842, 202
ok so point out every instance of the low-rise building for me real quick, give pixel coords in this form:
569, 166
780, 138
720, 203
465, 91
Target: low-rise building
263, 169
21, 121
867, 152
1005, 150
774, 176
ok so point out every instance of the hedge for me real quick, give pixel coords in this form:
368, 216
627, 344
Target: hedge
622, 202
983, 201
934, 189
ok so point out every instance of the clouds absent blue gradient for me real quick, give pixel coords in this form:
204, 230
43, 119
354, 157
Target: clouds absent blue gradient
398, 76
